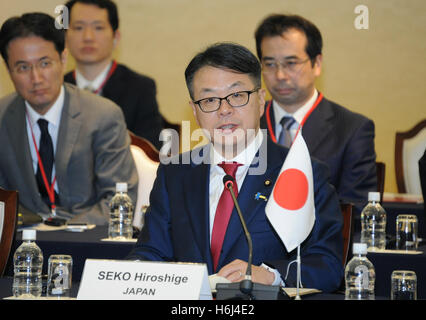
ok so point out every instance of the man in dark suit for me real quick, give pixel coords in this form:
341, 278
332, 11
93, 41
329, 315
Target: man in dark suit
62, 148
184, 221
91, 38
290, 51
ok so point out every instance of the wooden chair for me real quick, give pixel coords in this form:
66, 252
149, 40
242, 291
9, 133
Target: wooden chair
381, 171
8, 220
409, 147
146, 146
146, 159
348, 230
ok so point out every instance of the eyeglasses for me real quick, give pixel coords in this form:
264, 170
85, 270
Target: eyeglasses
290, 66
26, 68
235, 100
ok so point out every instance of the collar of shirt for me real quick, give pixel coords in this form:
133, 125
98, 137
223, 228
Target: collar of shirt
54, 118
216, 173
83, 83
279, 113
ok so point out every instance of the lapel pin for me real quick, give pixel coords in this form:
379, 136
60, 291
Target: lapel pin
258, 196
267, 182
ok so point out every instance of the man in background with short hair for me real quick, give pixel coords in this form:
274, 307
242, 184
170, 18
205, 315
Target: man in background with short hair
92, 36
63, 149
290, 50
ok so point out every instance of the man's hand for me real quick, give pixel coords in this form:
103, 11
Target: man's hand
236, 270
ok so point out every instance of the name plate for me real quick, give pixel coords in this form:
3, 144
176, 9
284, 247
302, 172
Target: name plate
143, 280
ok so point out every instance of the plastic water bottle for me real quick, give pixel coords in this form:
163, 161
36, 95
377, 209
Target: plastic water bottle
373, 223
28, 265
121, 214
359, 275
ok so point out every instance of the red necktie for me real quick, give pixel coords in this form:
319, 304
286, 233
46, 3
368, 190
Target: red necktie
223, 213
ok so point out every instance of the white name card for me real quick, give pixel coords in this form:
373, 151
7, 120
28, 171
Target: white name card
143, 280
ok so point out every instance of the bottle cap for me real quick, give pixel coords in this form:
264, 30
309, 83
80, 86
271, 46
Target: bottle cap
374, 196
29, 234
359, 248
121, 187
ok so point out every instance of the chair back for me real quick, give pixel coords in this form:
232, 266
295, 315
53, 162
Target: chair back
381, 171
147, 147
8, 220
348, 230
409, 147
147, 172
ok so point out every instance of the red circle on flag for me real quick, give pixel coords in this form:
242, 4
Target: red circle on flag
291, 189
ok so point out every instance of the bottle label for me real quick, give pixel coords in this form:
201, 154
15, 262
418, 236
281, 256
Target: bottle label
362, 279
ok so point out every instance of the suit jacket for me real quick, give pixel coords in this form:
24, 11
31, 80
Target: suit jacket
92, 154
177, 223
136, 96
344, 140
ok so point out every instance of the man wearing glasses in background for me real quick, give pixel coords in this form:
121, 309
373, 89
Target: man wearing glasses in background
189, 220
290, 51
62, 148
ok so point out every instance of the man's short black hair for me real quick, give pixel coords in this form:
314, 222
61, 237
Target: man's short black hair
31, 24
109, 5
228, 56
277, 24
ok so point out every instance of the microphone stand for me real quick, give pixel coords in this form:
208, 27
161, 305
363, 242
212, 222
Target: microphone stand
246, 289
246, 286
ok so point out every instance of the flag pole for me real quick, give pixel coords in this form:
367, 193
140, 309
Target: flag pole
298, 274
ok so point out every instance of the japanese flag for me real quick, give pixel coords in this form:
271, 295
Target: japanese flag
291, 208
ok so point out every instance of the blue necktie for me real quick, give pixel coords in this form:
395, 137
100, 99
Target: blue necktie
285, 136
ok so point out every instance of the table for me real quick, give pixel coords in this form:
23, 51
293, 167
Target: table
385, 263
6, 291
80, 245
88, 244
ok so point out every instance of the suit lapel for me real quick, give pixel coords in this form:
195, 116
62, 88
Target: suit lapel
15, 121
68, 132
196, 193
317, 126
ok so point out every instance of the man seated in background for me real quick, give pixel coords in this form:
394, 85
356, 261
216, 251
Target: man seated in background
63, 148
91, 39
191, 218
290, 51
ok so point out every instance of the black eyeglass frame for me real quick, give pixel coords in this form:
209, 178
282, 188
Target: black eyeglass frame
249, 92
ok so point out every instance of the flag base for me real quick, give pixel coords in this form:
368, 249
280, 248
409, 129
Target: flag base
233, 291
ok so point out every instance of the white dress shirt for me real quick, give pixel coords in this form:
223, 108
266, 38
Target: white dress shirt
216, 182
300, 113
83, 83
53, 116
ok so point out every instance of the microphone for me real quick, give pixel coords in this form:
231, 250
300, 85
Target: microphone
246, 286
249, 289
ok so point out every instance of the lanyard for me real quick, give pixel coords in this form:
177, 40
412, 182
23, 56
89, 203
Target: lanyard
110, 73
49, 187
269, 123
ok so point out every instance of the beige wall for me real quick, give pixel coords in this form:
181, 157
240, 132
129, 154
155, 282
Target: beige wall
379, 72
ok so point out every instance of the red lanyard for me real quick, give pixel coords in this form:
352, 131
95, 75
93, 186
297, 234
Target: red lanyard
110, 73
269, 123
49, 187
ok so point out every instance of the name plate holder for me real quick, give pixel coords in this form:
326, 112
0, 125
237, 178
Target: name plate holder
143, 280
